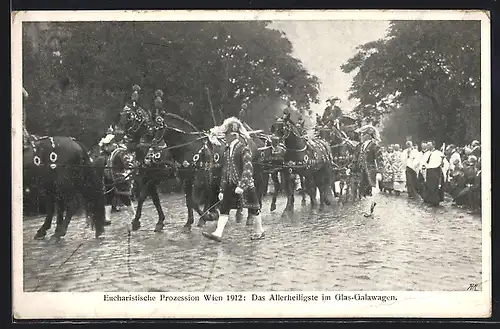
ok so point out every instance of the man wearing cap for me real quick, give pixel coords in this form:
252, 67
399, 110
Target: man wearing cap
369, 163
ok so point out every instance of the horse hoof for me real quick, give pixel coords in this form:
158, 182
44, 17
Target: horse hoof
239, 218
40, 235
159, 227
99, 232
186, 229
136, 226
55, 237
249, 222
107, 223
273, 207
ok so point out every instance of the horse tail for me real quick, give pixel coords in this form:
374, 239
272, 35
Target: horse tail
93, 193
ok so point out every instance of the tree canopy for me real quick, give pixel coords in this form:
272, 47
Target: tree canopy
79, 82
437, 62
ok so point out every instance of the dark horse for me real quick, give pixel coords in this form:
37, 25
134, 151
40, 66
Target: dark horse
272, 162
199, 169
311, 158
184, 144
153, 158
62, 169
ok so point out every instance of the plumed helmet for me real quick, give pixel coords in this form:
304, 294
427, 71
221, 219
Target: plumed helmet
135, 94
158, 100
159, 93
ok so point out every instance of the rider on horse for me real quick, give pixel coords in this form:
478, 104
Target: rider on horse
237, 185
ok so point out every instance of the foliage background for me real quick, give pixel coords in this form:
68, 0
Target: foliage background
79, 75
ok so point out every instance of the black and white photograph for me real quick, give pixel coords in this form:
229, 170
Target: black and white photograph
301, 163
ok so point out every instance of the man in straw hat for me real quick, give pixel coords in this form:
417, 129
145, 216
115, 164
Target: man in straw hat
371, 163
237, 181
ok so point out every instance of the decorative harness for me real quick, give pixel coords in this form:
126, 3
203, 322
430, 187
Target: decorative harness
52, 156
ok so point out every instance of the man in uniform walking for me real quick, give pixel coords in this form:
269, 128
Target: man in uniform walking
370, 163
117, 180
237, 189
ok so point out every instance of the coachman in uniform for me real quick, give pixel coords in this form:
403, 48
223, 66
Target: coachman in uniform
237, 189
117, 180
370, 163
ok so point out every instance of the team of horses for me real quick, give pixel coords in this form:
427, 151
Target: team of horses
170, 146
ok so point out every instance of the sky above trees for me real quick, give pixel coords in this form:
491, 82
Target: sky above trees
323, 46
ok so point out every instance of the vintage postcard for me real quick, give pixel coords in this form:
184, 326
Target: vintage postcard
251, 164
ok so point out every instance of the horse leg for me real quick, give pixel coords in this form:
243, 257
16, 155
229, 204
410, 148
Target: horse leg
322, 190
49, 208
70, 211
156, 201
311, 190
276, 183
143, 194
239, 215
302, 190
289, 185
61, 207
265, 184
188, 194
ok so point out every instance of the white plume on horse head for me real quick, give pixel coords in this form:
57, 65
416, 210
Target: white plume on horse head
106, 140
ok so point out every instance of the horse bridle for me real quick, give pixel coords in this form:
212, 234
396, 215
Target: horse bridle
136, 117
287, 130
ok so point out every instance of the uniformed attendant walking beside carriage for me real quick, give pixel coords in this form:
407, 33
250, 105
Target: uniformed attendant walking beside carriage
237, 189
369, 164
117, 180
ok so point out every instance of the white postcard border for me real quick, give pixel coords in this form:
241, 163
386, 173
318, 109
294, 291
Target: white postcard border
92, 305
